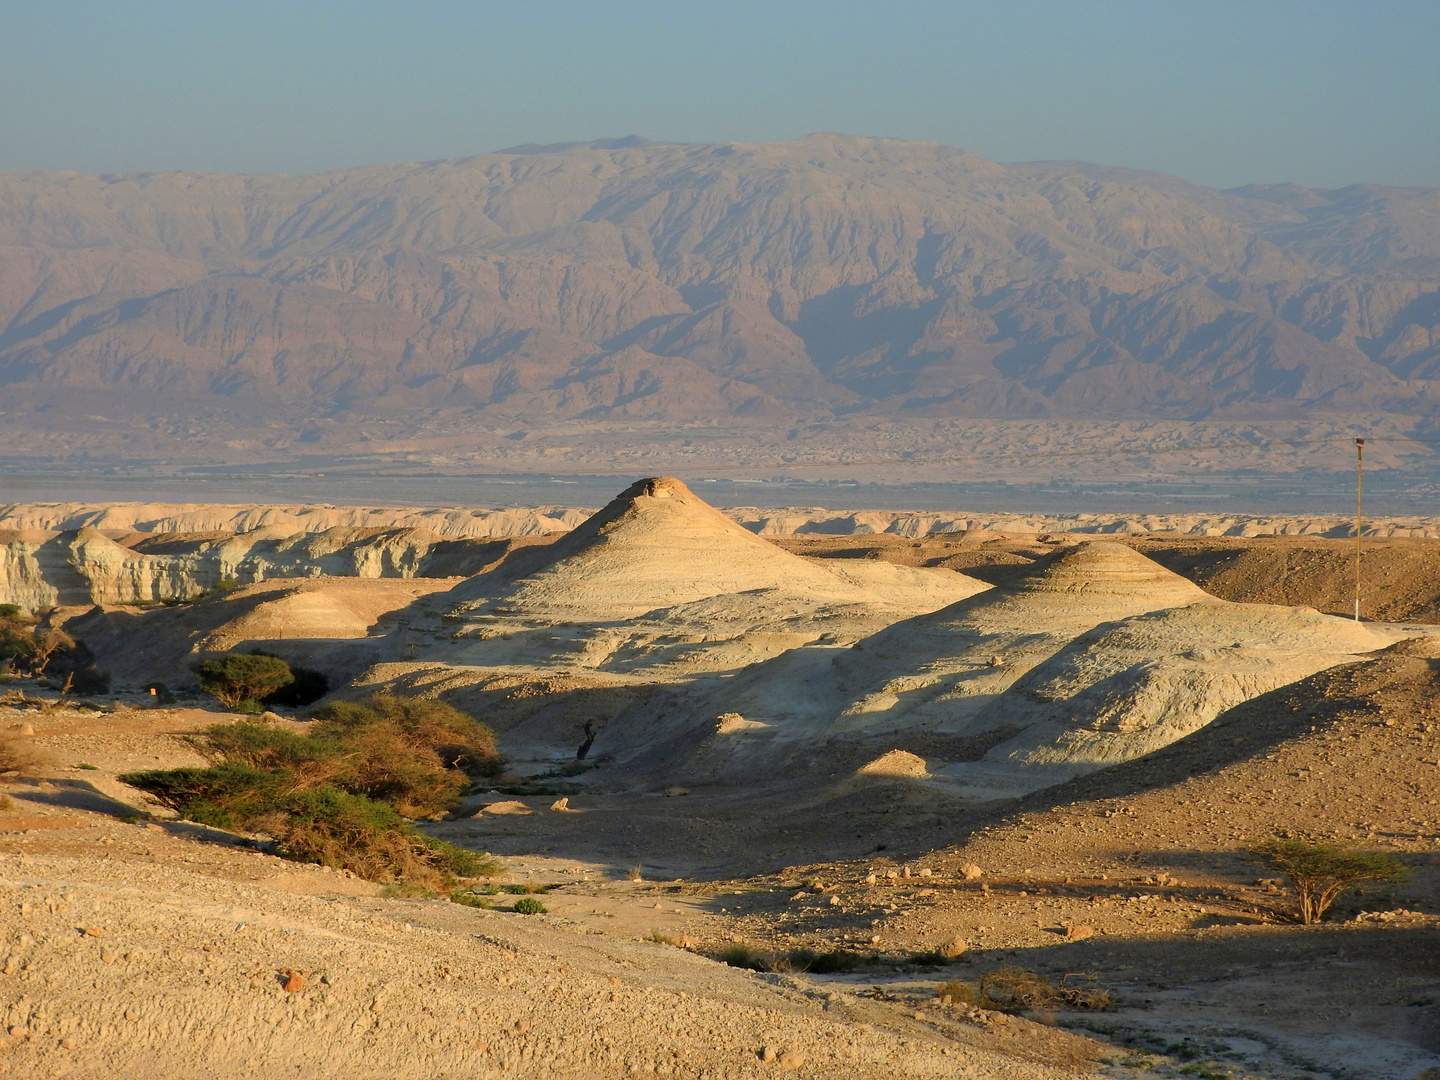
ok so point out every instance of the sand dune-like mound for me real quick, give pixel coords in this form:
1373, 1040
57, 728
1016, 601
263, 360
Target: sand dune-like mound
332, 624
933, 675
937, 670
659, 546
659, 576
1125, 690
1098, 655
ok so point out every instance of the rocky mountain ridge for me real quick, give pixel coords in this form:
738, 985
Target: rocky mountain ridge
621, 282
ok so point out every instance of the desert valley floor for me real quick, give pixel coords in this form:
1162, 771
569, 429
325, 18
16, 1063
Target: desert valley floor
935, 749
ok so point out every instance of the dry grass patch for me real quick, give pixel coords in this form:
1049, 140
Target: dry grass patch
18, 754
1014, 989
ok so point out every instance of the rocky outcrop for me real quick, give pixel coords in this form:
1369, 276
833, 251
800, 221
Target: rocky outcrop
44, 569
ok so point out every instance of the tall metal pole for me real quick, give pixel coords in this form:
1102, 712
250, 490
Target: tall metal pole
1359, 478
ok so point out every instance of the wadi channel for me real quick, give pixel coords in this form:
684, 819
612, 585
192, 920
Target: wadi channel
805, 793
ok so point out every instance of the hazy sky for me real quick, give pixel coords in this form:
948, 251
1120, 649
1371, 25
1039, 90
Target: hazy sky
1320, 92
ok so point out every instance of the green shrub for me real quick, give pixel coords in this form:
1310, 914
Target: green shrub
241, 677
313, 759
351, 832
307, 686
224, 795
341, 793
528, 905
414, 753
460, 741
1321, 872
35, 650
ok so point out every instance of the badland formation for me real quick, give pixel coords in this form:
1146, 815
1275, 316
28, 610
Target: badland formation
961, 801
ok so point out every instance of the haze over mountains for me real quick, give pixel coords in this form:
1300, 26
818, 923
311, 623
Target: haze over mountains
833, 282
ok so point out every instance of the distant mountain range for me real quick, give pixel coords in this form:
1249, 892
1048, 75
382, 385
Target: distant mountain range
627, 280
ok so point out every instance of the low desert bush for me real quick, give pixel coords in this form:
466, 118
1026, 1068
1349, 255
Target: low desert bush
18, 754
528, 905
753, 958
29, 647
1013, 989
351, 832
342, 793
1321, 872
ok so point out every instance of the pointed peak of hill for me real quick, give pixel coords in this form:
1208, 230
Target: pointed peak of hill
1106, 568
659, 545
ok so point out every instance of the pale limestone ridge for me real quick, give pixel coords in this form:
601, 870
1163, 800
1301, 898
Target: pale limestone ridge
151, 517
463, 522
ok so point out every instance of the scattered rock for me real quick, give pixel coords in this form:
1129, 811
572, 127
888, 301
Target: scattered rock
768, 1053
790, 1059
896, 763
730, 722
834, 901
676, 792
562, 805
971, 872
870, 879
956, 946
293, 982
1079, 933
509, 806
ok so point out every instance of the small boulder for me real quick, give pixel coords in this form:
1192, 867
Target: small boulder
956, 946
508, 806
790, 1059
971, 872
1079, 933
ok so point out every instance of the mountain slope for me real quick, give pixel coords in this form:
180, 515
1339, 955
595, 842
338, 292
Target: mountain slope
629, 280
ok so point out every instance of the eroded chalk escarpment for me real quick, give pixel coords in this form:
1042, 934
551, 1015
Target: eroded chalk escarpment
40, 569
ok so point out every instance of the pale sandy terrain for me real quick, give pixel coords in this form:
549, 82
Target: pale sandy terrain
1060, 746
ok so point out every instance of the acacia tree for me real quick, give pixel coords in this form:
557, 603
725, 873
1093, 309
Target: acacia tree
1321, 872
243, 677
